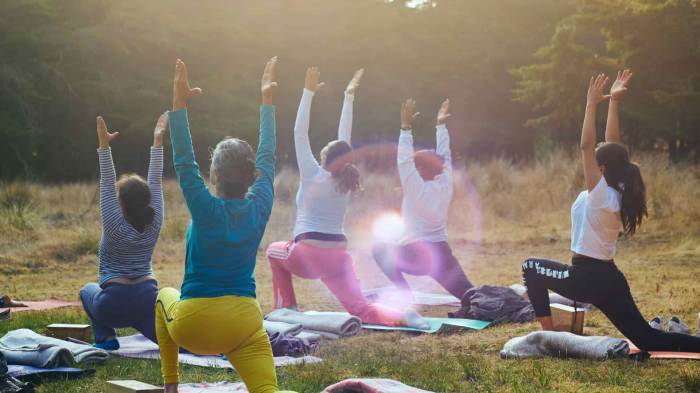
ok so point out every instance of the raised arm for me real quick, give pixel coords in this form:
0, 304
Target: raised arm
110, 211
308, 165
345, 126
442, 137
617, 91
155, 168
410, 178
197, 197
262, 190
595, 96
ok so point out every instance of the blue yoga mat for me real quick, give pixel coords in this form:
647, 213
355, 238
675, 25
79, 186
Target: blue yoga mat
19, 371
436, 325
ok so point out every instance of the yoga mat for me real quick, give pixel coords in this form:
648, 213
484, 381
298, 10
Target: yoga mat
21, 371
44, 305
437, 325
139, 347
665, 354
372, 385
389, 294
218, 387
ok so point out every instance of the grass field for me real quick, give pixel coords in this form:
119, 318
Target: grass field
501, 214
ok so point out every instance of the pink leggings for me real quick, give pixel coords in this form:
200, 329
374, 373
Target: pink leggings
335, 268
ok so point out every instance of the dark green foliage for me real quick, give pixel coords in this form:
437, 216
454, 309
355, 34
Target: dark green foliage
657, 39
64, 62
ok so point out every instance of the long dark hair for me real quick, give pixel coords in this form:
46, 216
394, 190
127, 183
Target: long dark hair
625, 177
135, 201
340, 162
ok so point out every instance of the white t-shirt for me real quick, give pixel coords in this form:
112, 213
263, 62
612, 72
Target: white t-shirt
425, 204
596, 222
320, 206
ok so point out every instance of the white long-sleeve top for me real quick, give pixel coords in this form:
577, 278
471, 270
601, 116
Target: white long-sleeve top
425, 203
320, 206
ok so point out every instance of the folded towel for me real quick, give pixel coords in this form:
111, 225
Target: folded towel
282, 328
564, 345
25, 347
371, 385
327, 324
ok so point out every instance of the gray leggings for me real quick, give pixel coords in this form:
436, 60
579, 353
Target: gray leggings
422, 258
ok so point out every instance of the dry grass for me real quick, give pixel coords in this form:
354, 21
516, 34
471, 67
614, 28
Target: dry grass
501, 214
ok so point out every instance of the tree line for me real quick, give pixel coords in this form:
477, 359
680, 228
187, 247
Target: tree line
515, 72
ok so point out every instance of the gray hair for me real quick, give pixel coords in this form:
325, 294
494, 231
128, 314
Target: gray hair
233, 167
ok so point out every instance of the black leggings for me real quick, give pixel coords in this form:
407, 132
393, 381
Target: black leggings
600, 283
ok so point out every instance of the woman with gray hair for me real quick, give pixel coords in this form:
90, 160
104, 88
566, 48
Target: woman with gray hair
218, 290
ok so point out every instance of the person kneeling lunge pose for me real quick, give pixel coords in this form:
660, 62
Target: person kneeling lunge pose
319, 249
426, 179
614, 202
217, 311
132, 215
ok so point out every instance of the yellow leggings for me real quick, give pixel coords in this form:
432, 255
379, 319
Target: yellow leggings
231, 325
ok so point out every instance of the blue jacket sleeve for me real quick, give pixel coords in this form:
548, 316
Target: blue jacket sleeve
200, 202
262, 190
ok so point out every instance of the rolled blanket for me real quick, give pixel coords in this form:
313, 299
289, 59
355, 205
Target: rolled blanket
327, 324
564, 345
282, 328
25, 347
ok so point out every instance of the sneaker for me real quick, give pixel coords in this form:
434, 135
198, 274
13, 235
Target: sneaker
657, 323
675, 325
108, 345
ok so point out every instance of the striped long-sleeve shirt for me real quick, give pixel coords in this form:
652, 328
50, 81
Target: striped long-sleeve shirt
124, 251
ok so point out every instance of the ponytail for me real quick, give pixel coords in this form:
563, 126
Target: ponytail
625, 177
140, 219
339, 160
633, 207
347, 178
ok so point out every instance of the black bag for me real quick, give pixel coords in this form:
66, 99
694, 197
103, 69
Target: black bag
494, 304
9, 384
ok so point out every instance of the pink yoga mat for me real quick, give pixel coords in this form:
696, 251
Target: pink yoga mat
44, 305
666, 354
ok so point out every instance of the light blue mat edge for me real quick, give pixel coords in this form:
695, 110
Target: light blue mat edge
436, 324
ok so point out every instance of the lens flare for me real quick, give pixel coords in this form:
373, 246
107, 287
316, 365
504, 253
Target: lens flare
388, 227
